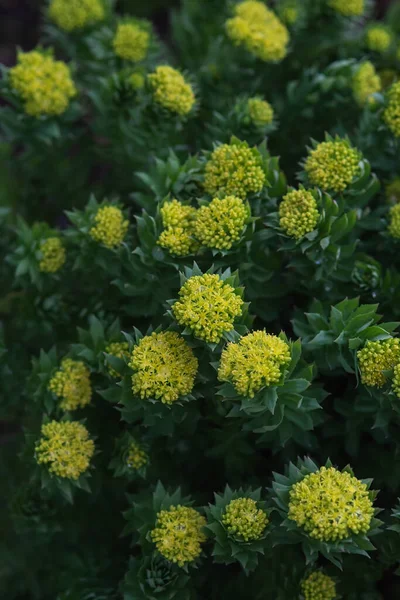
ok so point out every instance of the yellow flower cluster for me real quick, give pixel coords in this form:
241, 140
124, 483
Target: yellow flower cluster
131, 42
208, 306
366, 82
178, 220
377, 357
333, 165
393, 191
394, 222
258, 30
53, 255
330, 505
65, 448
164, 366
298, 213
391, 113
348, 8
120, 350
220, 224
244, 520
44, 84
76, 14
261, 112
178, 534
318, 586
136, 458
234, 170
378, 38
256, 361
110, 226
71, 384
171, 91
137, 81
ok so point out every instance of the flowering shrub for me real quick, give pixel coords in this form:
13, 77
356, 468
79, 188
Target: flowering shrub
199, 342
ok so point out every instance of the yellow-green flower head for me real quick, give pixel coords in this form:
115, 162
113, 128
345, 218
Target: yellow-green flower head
348, 8
171, 91
131, 41
396, 380
174, 214
76, 14
119, 350
136, 458
333, 165
377, 357
178, 534
330, 505
71, 384
256, 361
298, 213
243, 519
44, 84
394, 222
178, 220
259, 31
289, 13
261, 112
234, 170
164, 366
53, 255
208, 306
110, 226
137, 81
391, 113
378, 38
393, 191
220, 224
318, 586
366, 82
65, 448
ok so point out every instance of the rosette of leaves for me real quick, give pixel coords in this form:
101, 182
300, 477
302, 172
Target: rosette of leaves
332, 336
93, 342
43, 368
33, 510
119, 462
154, 578
229, 547
367, 274
289, 532
287, 410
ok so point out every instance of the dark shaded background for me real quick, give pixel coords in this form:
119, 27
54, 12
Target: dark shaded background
20, 20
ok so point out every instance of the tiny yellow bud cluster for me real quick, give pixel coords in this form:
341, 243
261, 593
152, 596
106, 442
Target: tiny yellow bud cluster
70, 15
258, 30
394, 222
164, 366
137, 81
298, 213
136, 458
330, 505
131, 42
318, 586
71, 384
348, 8
53, 255
178, 534
391, 113
377, 357
119, 350
208, 306
171, 91
65, 448
289, 13
220, 224
333, 165
110, 226
178, 220
366, 82
393, 191
244, 520
378, 38
234, 170
260, 111
44, 84
256, 361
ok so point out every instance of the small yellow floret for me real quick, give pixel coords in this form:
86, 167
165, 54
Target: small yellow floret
377, 357
330, 505
261, 112
318, 586
178, 534
243, 519
175, 214
298, 213
256, 361
65, 448
136, 458
71, 384
178, 220
171, 91
120, 350
131, 42
289, 13
137, 81
110, 226
76, 14
366, 82
391, 113
53, 255
378, 38
348, 8
221, 223
333, 165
